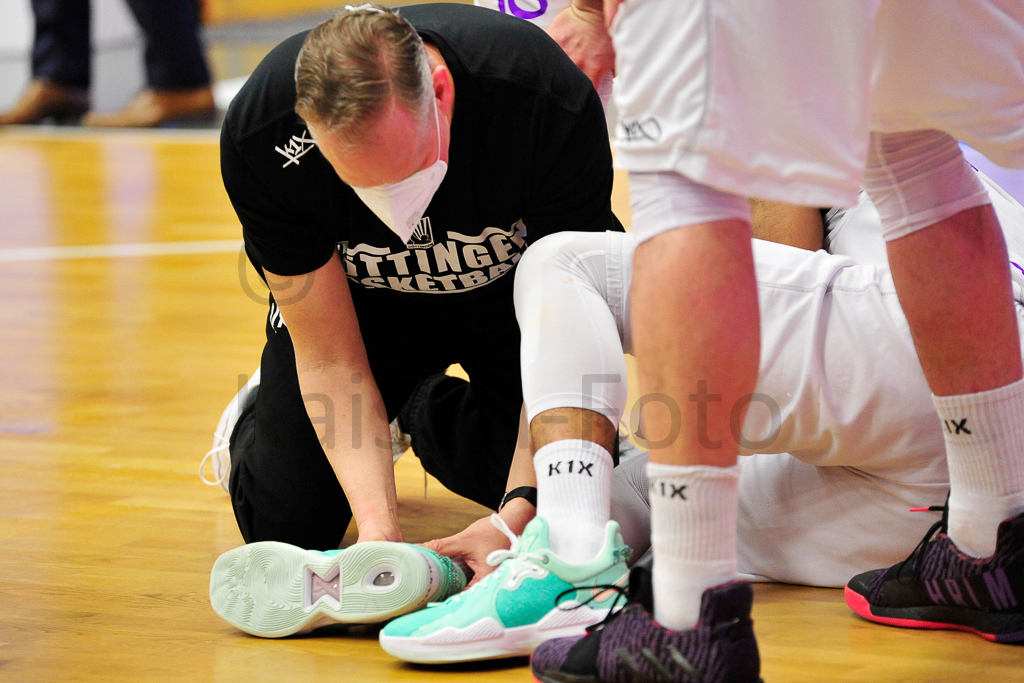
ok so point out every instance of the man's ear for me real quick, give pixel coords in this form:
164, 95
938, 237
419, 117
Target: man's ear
444, 89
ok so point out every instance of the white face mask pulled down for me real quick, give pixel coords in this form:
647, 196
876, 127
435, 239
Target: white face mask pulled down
401, 205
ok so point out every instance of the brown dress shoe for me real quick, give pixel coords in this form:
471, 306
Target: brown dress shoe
152, 107
42, 99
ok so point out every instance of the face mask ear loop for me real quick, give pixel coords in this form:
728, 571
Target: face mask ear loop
437, 124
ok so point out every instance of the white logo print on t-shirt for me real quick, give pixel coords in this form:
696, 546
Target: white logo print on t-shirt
456, 264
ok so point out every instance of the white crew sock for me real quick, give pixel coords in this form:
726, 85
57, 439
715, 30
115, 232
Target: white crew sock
985, 451
574, 490
693, 534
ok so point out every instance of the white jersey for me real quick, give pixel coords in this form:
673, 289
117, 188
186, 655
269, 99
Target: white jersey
777, 99
841, 437
538, 12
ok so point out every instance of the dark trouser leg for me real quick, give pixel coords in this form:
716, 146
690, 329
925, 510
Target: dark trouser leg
61, 51
282, 485
465, 432
174, 55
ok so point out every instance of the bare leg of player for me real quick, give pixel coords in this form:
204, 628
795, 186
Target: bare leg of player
954, 284
952, 274
697, 343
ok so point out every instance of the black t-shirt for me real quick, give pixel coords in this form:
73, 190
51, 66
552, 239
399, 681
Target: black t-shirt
529, 156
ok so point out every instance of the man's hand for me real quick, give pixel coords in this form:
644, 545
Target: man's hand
581, 32
472, 546
481, 538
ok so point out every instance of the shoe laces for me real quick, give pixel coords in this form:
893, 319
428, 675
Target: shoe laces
613, 611
521, 564
662, 673
223, 445
913, 561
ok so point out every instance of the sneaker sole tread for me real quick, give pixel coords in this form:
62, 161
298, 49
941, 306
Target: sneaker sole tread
264, 588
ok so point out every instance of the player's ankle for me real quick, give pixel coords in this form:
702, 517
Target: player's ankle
984, 436
973, 521
576, 543
693, 534
574, 496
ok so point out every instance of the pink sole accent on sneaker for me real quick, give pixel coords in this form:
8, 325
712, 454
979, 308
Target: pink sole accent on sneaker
859, 604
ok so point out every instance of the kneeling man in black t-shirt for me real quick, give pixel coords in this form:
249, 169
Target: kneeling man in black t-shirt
388, 173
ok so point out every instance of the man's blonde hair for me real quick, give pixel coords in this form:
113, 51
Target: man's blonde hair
351, 65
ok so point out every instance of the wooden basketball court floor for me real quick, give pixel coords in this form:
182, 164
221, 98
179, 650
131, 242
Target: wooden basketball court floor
126, 320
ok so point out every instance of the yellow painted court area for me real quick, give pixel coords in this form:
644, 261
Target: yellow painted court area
116, 363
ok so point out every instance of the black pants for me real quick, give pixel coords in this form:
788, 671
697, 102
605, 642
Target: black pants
282, 485
174, 55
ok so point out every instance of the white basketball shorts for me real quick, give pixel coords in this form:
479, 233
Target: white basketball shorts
776, 98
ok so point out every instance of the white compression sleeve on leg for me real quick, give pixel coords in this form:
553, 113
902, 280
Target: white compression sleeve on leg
571, 349
918, 178
665, 200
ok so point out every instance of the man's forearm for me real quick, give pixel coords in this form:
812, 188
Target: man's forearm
342, 403
518, 512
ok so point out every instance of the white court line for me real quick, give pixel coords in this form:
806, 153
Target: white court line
120, 250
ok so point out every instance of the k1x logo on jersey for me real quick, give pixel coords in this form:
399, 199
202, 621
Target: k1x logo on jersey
427, 264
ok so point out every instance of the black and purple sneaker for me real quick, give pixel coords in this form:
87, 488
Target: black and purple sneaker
629, 646
939, 587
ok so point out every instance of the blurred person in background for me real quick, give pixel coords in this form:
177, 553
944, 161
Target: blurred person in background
177, 77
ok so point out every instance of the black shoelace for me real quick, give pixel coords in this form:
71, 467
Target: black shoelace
914, 559
619, 591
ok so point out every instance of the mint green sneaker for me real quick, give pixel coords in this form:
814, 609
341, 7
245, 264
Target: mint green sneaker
272, 589
513, 609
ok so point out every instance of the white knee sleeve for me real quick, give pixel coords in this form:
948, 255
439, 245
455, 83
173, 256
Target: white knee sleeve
665, 200
570, 303
918, 178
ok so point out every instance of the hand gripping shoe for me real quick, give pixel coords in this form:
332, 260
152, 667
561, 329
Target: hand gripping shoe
531, 596
272, 589
938, 587
630, 647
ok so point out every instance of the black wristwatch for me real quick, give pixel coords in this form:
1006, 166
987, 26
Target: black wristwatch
527, 492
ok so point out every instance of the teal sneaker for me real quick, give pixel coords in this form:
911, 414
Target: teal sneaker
274, 589
514, 608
